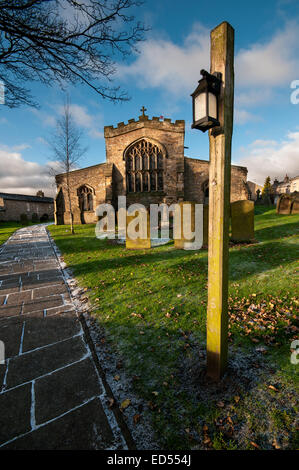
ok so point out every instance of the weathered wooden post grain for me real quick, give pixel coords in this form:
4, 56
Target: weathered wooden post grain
222, 60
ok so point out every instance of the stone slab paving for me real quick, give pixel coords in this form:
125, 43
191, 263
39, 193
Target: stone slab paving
51, 392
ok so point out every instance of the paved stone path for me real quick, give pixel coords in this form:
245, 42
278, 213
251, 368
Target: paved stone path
51, 392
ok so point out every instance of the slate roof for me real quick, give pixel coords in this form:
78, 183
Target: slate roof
25, 197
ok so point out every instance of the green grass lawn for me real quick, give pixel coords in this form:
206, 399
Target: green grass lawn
152, 305
7, 229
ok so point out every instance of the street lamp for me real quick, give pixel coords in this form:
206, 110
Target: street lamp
205, 101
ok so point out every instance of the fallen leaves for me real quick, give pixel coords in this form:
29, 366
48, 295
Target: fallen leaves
253, 444
273, 388
220, 404
275, 444
111, 402
139, 315
206, 438
255, 340
263, 319
152, 406
136, 418
125, 404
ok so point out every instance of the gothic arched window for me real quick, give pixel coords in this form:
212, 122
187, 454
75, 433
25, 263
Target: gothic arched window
85, 195
144, 167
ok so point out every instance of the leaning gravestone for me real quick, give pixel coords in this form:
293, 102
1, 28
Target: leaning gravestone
143, 241
295, 206
242, 220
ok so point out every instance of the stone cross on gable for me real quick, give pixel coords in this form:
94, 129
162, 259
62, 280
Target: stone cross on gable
143, 109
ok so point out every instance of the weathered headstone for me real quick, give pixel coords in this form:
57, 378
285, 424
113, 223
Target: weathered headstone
288, 204
188, 226
295, 206
143, 241
284, 204
242, 220
179, 243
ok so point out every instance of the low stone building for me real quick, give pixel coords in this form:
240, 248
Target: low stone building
254, 190
145, 162
287, 186
13, 205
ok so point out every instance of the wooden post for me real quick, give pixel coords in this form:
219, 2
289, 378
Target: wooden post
222, 60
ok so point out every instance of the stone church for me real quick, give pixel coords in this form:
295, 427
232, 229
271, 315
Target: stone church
145, 162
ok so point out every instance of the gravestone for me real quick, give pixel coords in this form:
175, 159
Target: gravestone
179, 243
288, 204
143, 243
242, 220
295, 206
284, 204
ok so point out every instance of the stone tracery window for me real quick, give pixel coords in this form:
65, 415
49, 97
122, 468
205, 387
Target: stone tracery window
85, 195
144, 167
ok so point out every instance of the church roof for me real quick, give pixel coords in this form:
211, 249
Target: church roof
84, 168
25, 197
207, 161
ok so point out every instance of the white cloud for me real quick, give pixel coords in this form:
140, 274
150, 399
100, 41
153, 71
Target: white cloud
272, 158
82, 118
259, 68
253, 97
163, 64
273, 63
44, 118
242, 116
90, 122
41, 140
20, 147
21, 176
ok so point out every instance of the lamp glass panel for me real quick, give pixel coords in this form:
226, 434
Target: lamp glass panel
212, 106
200, 107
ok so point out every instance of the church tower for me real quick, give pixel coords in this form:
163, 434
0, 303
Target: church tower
148, 159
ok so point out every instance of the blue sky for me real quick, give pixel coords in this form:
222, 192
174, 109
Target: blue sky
162, 76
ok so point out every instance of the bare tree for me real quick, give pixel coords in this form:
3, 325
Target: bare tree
65, 41
66, 149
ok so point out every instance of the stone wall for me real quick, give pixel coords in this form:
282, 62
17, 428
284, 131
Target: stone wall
168, 136
239, 191
183, 178
196, 179
195, 176
97, 177
12, 209
253, 188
